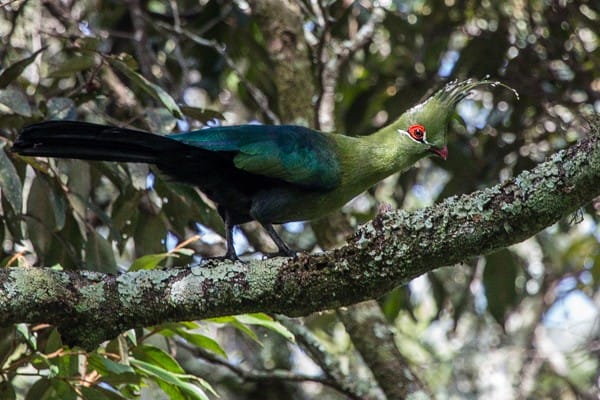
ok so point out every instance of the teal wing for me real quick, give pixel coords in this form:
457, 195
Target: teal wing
291, 153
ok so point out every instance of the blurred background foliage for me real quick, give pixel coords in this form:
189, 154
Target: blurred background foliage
520, 323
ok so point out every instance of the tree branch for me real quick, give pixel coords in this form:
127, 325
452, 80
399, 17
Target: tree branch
280, 22
332, 60
257, 95
394, 248
364, 322
256, 375
351, 385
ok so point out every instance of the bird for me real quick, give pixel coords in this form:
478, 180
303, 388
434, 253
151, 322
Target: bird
272, 174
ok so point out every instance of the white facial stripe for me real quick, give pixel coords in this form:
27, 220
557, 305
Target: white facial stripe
424, 141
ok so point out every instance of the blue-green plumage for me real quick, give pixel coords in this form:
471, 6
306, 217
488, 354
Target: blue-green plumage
272, 174
291, 153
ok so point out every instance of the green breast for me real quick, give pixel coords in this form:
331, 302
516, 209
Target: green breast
363, 162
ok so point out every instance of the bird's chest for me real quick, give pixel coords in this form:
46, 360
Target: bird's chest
280, 206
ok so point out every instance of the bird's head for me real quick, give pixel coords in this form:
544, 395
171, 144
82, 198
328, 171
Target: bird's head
426, 123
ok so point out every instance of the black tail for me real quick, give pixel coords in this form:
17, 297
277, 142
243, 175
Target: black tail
86, 141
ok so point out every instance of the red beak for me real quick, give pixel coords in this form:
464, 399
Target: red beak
443, 152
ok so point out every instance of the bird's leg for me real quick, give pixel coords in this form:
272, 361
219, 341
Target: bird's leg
230, 254
284, 250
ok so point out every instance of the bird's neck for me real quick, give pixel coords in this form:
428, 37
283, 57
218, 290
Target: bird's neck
376, 156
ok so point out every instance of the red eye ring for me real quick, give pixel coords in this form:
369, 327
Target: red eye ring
417, 132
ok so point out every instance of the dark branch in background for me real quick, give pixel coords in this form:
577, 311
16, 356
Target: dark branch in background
258, 96
331, 60
379, 352
13, 16
350, 385
394, 248
142, 48
364, 322
535, 358
281, 25
59, 11
255, 375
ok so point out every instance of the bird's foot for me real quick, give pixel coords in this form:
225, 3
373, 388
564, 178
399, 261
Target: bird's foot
287, 252
228, 256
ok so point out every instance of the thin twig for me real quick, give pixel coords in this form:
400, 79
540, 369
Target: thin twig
13, 25
140, 36
363, 36
258, 96
333, 59
255, 375
352, 386
375, 340
321, 55
176, 18
6, 3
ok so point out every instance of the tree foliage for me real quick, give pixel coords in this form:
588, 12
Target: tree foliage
493, 324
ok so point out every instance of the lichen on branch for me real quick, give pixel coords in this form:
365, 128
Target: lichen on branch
389, 251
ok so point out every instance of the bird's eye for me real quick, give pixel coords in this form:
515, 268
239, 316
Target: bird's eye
417, 132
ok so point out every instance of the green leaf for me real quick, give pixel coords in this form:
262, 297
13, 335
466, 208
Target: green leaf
47, 210
54, 342
99, 393
90, 43
171, 378
180, 325
81, 204
125, 214
39, 390
236, 324
172, 391
10, 183
79, 177
265, 321
184, 205
157, 357
150, 231
595, 270
150, 88
14, 101
184, 252
99, 255
62, 390
129, 61
395, 301
15, 70
221, 320
63, 247
201, 341
149, 261
73, 65
7, 391
40, 361
113, 372
59, 207
30, 338
65, 366
201, 114
499, 277
106, 366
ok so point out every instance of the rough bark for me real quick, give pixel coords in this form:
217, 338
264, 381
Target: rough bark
348, 383
391, 250
373, 337
280, 22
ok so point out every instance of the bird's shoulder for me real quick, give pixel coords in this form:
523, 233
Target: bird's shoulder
295, 154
